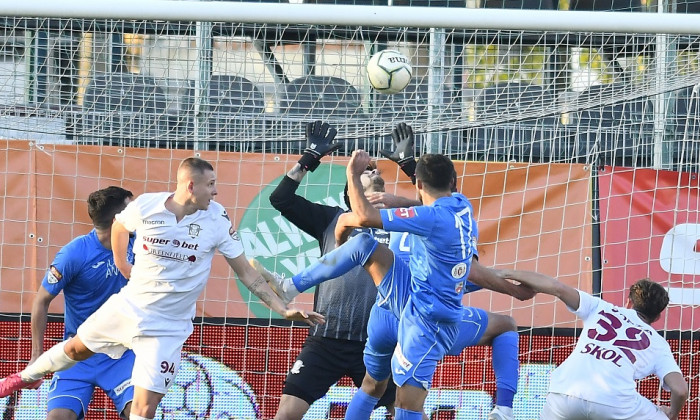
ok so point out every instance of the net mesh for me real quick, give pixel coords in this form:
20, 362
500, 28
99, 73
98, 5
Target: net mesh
561, 130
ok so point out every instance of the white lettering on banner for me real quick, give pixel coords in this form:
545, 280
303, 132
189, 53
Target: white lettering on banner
680, 255
233, 396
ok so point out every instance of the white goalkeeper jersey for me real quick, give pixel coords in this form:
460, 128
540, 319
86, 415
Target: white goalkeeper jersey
173, 260
615, 348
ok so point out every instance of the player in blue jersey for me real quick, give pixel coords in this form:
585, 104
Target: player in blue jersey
84, 270
413, 370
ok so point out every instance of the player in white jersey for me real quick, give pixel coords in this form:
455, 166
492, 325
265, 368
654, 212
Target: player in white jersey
177, 235
616, 347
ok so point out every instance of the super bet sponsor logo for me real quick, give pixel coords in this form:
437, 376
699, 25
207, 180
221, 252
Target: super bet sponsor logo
277, 243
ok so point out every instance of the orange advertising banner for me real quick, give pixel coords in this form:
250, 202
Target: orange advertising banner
534, 217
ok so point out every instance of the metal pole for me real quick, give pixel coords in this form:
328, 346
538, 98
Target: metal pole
436, 79
201, 88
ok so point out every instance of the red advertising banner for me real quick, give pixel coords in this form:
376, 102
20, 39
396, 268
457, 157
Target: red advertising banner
237, 372
650, 227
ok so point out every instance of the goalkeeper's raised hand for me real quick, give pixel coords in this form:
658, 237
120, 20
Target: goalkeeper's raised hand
403, 153
319, 143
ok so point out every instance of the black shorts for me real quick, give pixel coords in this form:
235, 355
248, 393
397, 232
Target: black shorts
323, 362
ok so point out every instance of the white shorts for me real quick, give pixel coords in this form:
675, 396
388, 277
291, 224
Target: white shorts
115, 327
565, 407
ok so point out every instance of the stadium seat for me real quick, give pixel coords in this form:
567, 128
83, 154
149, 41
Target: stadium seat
127, 110
233, 115
520, 4
687, 6
620, 133
351, 2
316, 96
522, 121
686, 128
607, 5
431, 3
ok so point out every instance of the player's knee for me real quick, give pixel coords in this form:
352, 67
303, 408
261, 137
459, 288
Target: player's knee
373, 386
145, 403
502, 323
126, 412
363, 246
510, 323
76, 350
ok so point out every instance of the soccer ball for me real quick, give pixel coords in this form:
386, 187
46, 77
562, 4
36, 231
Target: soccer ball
389, 71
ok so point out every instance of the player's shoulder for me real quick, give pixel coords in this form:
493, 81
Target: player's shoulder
589, 304
81, 243
146, 199
217, 213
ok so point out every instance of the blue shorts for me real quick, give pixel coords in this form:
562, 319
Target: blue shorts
382, 336
395, 288
422, 344
72, 388
471, 329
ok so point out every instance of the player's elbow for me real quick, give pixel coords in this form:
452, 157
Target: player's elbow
677, 385
278, 201
368, 218
682, 393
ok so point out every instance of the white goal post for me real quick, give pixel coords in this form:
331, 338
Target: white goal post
314, 14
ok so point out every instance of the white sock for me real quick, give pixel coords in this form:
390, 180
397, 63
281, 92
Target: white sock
289, 289
505, 410
52, 360
135, 417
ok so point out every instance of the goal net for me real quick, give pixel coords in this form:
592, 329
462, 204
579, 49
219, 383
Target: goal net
576, 141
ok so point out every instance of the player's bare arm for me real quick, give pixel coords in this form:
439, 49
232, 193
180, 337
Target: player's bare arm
256, 283
368, 215
40, 311
344, 226
491, 279
120, 245
678, 386
390, 201
544, 284
297, 173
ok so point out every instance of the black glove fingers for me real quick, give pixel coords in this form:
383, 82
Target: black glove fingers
409, 132
318, 127
332, 132
322, 130
396, 135
333, 148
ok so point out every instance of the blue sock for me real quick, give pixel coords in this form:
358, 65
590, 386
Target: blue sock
354, 252
403, 414
505, 367
361, 406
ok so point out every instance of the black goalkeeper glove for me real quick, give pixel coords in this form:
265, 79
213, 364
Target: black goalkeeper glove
403, 155
319, 143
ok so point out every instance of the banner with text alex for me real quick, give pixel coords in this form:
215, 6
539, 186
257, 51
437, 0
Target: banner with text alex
650, 227
530, 217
